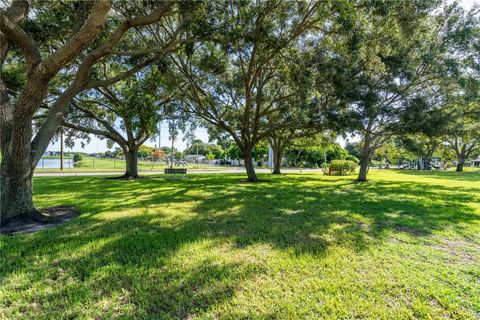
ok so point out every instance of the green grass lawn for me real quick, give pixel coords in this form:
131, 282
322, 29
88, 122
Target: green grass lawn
405, 245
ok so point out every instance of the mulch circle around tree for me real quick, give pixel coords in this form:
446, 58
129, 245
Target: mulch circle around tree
53, 217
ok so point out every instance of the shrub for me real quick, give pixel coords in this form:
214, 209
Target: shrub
352, 158
210, 156
343, 166
77, 157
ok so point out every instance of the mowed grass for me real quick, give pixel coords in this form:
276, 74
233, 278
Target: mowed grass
405, 245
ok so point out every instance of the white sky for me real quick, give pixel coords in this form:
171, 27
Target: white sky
97, 145
467, 4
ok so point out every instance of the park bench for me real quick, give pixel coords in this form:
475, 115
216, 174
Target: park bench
175, 171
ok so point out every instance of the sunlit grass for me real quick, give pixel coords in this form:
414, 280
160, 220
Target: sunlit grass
403, 245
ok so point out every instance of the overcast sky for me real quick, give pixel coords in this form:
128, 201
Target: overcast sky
101, 146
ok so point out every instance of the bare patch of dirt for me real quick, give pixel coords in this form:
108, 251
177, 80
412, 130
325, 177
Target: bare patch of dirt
410, 230
462, 250
50, 217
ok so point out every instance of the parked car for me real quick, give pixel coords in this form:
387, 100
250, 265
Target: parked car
224, 162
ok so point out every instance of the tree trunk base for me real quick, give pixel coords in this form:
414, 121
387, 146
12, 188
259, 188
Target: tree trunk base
276, 172
36, 220
126, 177
38, 216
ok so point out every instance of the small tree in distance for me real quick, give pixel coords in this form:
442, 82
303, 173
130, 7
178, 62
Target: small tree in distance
156, 156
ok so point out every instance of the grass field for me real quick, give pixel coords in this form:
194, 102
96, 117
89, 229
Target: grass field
90, 164
405, 245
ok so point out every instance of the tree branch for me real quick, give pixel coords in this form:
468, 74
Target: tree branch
92, 131
90, 29
18, 36
103, 122
56, 112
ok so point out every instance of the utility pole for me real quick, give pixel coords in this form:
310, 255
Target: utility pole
160, 135
61, 148
171, 162
271, 160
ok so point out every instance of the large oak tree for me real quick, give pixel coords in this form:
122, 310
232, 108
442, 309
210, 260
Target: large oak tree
126, 113
74, 41
237, 81
387, 55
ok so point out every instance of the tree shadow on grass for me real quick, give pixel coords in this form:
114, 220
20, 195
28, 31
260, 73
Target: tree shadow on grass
133, 259
450, 175
286, 216
132, 262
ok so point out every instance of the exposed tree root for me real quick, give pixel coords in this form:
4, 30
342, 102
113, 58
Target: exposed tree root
126, 177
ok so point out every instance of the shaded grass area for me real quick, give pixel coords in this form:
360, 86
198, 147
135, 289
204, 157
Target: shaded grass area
404, 245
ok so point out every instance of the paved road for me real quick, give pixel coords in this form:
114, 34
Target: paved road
190, 171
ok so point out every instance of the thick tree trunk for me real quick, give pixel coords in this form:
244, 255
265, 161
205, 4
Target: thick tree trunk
131, 161
362, 174
460, 163
277, 159
16, 171
15, 189
365, 158
248, 158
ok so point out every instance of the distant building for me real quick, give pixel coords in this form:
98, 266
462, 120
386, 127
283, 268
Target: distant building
476, 162
195, 158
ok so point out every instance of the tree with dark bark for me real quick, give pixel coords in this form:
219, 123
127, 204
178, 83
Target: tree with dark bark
300, 117
237, 80
380, 62
463, 150
280, 140
93, 32
462, 87
126, 113
463, 129
463, 135
278, 143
